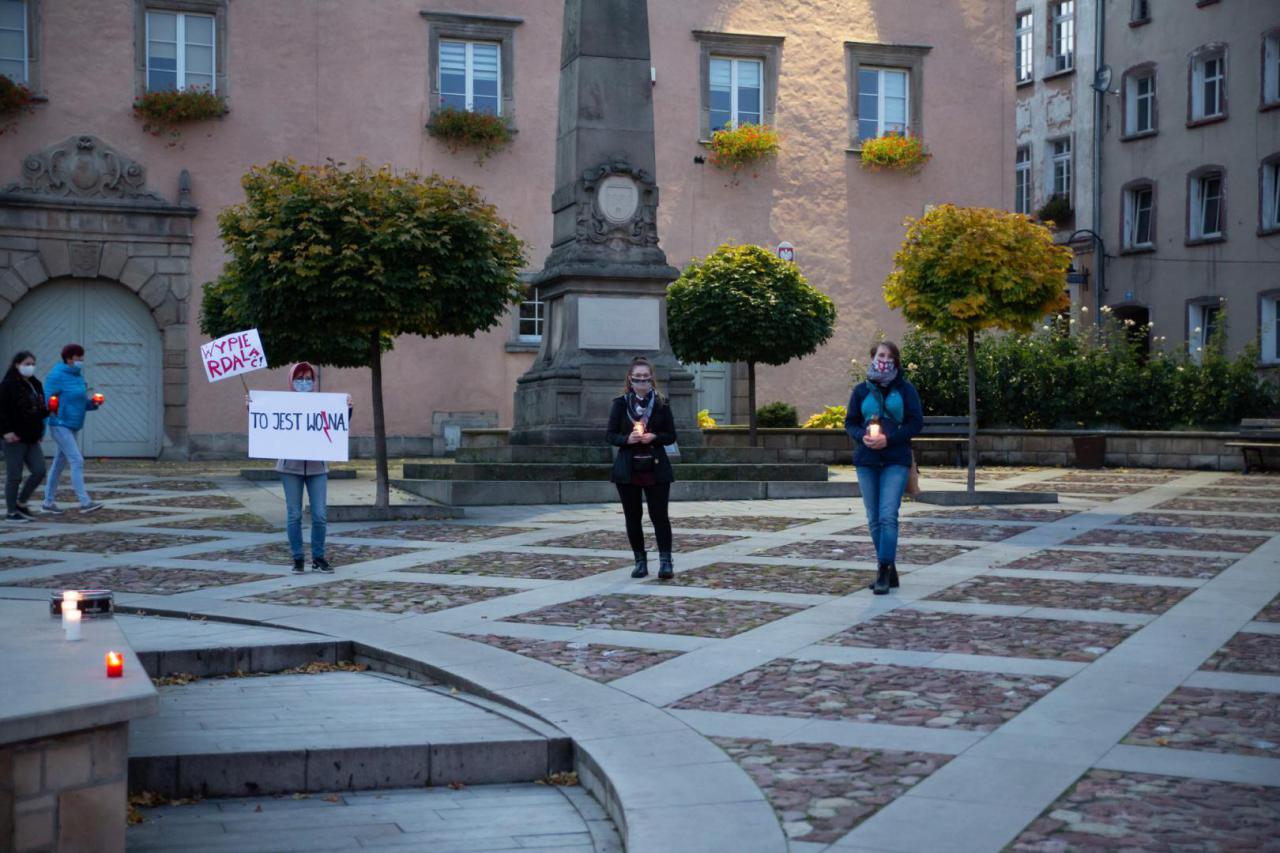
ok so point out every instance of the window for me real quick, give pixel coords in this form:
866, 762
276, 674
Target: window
1271, 69
1204, 319
470, 76
180, 51
1208, 85
1140, 13
1060, 168
886, 85
1063, 35
1269, 327
1205, 197
736, 92
1022, 49
1022, 180
1270, 198
882, 102
1140, 102
529, 324
13, 40
1139, 225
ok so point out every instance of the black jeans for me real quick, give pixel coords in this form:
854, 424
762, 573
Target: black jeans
657, 496
16, 456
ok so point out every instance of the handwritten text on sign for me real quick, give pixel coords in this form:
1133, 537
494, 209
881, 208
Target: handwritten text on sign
288, 425
232, 355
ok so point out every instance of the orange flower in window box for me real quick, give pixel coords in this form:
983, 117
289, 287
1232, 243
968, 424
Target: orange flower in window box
896, 151
733, 148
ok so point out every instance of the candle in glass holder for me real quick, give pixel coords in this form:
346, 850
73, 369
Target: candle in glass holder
115, 665
638, 429
53, 404
71, 623
98, 399
874, 429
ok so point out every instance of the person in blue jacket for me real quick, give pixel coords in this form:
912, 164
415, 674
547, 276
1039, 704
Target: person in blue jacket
884, 414
66, 382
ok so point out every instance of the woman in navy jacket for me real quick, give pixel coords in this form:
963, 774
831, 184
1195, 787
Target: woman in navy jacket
884, 413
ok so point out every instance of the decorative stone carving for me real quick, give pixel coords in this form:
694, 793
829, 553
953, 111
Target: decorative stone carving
84, 167
84, 259
618, 206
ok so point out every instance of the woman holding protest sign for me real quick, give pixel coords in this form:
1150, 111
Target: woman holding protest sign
22, 414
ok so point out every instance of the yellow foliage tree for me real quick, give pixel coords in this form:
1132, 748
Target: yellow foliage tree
964, 269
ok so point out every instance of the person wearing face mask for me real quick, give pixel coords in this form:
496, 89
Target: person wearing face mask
22, 414
66, 419
884, 414
641, 427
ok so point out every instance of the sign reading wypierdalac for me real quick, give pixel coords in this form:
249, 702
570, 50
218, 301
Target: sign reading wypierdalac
232, 355
288, 425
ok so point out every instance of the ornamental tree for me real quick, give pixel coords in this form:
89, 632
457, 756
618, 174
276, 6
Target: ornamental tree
964, 269
332, 264
743, 303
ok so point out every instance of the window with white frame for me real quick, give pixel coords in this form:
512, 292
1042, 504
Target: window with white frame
883, 101
530, 322
180, 51
1271, 68
1060, 168
1203, 321
1140, 103
1205, 195
1139, 209
1270, 194
14, 57
1269, 328
1208, 85
737, 89
1022, 180
471, 76
1063, 34
1022, 46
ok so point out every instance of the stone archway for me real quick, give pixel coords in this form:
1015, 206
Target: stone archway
82, 209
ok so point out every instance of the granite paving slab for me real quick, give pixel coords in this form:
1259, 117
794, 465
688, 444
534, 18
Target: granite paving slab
522, 564
243, 522
809, 580
1110, 810
997, 513
1072, 595
177, 485
380, 596
339, 554
1223, 542
1217, 505
918, 630
143, 579
942, 530
1081, 488
1237, 492
106, 515
875, 693
110, 542
616, 540
1246, 652
820, 790
435, 531
1270, 613
835, 549
192, 502
766, 523
1234, 721
697, 617
1121, 563
1202, 519
7, 563
597, 661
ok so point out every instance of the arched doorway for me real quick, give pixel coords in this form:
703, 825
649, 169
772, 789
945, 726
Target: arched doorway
1140, 330
124, 359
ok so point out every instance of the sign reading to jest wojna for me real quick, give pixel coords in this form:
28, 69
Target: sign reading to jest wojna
232, 355
289, 425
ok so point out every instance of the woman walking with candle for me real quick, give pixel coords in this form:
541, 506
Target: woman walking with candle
22, 414
884, 414
67, 398
641, 427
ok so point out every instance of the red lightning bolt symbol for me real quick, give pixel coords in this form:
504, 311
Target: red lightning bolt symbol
324, 419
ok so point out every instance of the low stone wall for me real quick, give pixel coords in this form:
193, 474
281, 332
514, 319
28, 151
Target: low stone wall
1133, 449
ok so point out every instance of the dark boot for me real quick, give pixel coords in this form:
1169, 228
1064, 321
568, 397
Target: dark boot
666, 571
893, 575
881, 586
642, 566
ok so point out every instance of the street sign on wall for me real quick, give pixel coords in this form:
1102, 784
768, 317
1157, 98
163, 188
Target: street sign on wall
786, 251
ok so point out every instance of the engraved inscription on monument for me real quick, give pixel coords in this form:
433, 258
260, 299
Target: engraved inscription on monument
617, 198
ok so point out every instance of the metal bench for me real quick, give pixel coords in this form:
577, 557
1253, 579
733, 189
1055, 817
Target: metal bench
944, 431
1257, 436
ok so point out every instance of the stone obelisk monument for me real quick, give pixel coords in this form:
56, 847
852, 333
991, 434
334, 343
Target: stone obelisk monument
603, 284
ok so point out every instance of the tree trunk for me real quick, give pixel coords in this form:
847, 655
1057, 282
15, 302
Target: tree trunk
973, 413
751, 401
383, 493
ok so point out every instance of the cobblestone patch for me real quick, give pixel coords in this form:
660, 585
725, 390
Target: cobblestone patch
1270, 613
1121, 563
561, 567
1214, 721
875, 693
942, 530
106, 515
1238, 492
1161, 539
984, 473
1081, 488
998, 513
143, 579
810, 580
7, 563
1257, 478
660, 614
616, 540
834, 549
1247, 652
1216, 505
244, 522
67, 496
821, 791
193, 502
110, 542
173, 486
767, 523
434, 531
1074, 595
602, 663
278, 552
1109, 810
1201, 519
1131, 477
381, 596
917, 630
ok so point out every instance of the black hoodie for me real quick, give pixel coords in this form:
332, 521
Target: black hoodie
22, 409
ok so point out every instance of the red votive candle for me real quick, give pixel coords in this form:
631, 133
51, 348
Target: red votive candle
53, 404
115, 665
98, 399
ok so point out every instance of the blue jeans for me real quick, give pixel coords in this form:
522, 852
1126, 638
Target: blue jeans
66, 455
317, 486
882, 489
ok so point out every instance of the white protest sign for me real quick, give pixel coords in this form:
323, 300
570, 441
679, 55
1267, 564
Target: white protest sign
232, 355
289, 425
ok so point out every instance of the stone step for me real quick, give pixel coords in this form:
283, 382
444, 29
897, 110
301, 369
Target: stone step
511, 492
257, 475
603, 455
808, 472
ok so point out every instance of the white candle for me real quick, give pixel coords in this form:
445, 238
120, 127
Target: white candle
873, 430
71, 623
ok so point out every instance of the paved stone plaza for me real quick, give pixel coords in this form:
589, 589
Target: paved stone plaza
1100, 674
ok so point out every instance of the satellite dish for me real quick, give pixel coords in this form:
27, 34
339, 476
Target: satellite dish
1102, 79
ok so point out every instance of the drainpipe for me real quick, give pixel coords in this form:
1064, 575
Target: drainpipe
1099, 103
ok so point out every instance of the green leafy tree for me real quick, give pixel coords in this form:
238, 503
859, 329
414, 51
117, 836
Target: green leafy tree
964, 269
332, 264
744, 303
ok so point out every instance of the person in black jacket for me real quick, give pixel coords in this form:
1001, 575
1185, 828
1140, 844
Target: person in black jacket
22, 414
884, 414
641, 427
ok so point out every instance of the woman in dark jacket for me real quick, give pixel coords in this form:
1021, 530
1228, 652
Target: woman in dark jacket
22, 414
641, 427
884, 414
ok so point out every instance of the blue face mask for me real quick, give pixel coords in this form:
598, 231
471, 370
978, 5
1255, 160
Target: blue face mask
77, 366
304, 384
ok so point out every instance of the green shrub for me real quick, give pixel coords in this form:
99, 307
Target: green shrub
777, 415
831, 417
